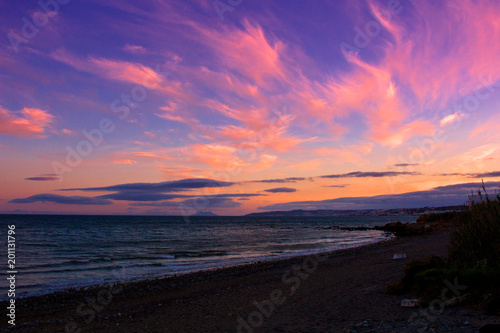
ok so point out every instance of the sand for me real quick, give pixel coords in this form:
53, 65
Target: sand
342, 291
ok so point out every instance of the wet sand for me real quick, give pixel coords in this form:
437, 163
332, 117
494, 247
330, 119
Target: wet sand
342, 291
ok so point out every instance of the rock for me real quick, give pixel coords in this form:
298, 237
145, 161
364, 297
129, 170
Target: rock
393, 226
423, 218
410, 303
404, 229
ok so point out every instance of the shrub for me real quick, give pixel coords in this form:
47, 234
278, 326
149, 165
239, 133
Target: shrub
477, 238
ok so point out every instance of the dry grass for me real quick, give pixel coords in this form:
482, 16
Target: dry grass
476, 241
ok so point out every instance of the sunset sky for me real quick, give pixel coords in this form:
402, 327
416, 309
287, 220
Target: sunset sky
168, 107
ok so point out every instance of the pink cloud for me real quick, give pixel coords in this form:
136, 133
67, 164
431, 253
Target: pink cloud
450, 119
148, 155
371, 91
120, 70
449, 50
239, 48
438, 57
225, 159
240, 86
125, 161
397, 136
218, 156
252, 71
265, 162
31, 123
174, 112
69, 132
172, 118
272, 137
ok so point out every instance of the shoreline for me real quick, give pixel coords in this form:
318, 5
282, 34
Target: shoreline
74, 288
344, 287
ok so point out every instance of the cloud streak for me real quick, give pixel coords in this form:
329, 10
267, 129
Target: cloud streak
491, 174
280, 180
193, 205
373, 174
142, 196
449, 195
169, 186
43, 178
336, 186
60, 199
281, 190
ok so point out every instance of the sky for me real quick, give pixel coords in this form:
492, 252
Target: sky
238, 106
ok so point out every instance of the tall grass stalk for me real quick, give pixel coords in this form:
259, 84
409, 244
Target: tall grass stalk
478, 234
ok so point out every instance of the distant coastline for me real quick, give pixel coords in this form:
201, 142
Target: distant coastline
362, 212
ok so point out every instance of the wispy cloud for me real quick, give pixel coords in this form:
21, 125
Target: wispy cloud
450, 119
281, 190
166, 191
170, 186
490, 174
192, 205
44, 178
60, 199
142, 196
336, 186
406, 164
374, 174
113, 69
280, 180
440, 196
145, 196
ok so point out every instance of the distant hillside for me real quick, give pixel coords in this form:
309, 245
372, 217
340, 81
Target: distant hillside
364, 212
207, 213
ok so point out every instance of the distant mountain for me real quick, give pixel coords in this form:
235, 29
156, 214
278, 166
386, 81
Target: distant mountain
207, 213
364, 212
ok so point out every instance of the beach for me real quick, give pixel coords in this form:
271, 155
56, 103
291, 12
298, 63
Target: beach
341, 291
250, 166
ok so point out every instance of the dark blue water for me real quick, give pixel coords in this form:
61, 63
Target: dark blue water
60, 252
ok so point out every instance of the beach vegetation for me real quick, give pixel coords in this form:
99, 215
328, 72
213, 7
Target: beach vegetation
476, 241
473, 258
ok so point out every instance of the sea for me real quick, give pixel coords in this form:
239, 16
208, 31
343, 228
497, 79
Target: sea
55, 252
